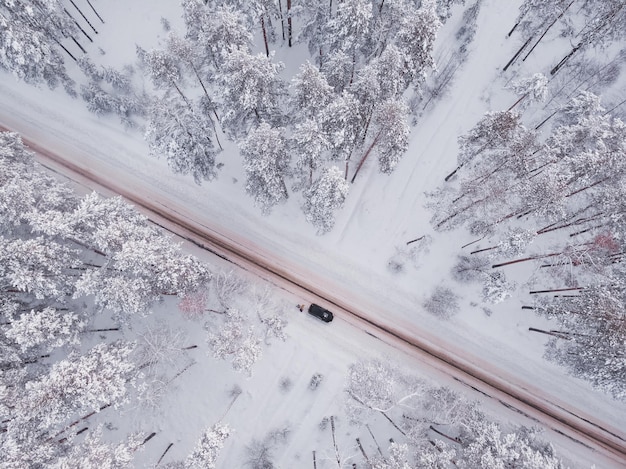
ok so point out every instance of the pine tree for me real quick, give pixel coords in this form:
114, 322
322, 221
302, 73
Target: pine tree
324, 197
47, 329
206, 452
182, 135
266, 163
251, 90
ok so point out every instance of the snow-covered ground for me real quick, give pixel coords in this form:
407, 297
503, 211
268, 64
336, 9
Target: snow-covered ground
381, 214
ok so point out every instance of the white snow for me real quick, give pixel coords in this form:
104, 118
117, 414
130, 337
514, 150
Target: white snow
381, 214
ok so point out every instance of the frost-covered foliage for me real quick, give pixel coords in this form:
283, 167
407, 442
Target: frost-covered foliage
392, 137
61, 259
516, 185
439, 428
260, 452
94, 453
531, 89
237, 342
206, 452
48, 328
366, 55
378, 386
443, 303
266, 164
42, 407
251, 91
324, 197
30, 42
179, 133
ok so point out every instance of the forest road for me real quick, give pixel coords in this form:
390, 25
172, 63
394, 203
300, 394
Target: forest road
557, 417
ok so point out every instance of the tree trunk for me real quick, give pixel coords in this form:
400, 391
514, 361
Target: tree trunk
358, 442
547, 29
393, 423
557, 334
513, 29
614, 107
525, 259
374, 438
148, 438
78, 25
206, 93
267, 48
517, 102
289, 26
78, 44
164, 453
77, 421
94, 10
282, 21
454, 440
332, 428
484, 249
367, 153
84, 17
415, 240
546, 120
517, 54
565, 59
556, 290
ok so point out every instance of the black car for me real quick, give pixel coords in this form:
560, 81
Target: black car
319, 312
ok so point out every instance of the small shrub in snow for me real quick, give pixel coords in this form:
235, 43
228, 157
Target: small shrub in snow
443, 303
286, 384
235, 391
316, 380
395, 265
496, 288
471, 268
323, 425
260, 452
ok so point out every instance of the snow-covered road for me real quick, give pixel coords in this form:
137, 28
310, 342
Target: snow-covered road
524, 397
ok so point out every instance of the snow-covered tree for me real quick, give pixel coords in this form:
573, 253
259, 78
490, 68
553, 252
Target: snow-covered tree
531, 89
593, 334
48, 328
349, 27
342, 126
79, 383
312, 93
94, 453
207, 450
309, 143
324, 197
183, 136
416, 38
228, 285
443, 303
377, 386
37, 266
266, 163
30, 39
391, 134
215, 30
236, 343
492, 448
251, 90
